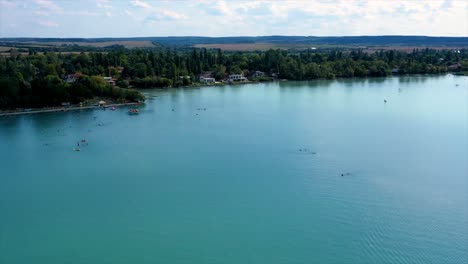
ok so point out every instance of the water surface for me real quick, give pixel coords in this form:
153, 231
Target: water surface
254, 178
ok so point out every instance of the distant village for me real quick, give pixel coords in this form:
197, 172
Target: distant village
205, 78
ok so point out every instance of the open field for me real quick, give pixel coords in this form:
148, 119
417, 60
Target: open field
96, 44
368, 44
410, 48
249, 43
126, 43
243, 46
267, 46
4, 49
8, 54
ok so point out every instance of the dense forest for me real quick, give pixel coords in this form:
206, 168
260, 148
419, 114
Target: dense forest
39, 79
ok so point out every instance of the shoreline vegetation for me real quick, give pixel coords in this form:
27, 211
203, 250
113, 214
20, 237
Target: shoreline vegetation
60, 109
40, 80
95, 105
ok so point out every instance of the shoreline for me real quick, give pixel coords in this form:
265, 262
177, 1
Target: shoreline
61, 109
194, 86
221, 84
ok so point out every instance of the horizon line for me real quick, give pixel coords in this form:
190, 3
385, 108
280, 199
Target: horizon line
240, 36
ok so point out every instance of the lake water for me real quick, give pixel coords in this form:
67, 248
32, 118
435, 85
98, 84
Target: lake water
254, 178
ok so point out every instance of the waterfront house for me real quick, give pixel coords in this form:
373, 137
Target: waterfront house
207, 80
454, 66
237, 78
257, 74
204, 75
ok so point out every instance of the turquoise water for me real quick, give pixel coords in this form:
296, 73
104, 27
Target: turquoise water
254, 178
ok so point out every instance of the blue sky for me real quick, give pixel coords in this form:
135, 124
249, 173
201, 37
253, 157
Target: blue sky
137, 18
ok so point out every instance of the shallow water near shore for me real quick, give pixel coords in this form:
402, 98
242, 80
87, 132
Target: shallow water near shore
244, 174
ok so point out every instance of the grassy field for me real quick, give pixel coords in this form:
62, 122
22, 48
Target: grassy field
264, 46
241, 46
100, 44
128, 44
8, 54
4, 49
410, 48
224, 46
267, 46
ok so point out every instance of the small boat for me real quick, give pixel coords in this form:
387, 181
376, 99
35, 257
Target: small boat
133, 111
76, 149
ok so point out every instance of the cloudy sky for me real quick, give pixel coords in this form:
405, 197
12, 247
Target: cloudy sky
136, 18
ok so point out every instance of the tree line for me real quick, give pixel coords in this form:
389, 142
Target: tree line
37, 79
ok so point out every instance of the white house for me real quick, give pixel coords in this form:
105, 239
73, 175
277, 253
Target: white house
207, 80
237, 78
109, 80
204, 75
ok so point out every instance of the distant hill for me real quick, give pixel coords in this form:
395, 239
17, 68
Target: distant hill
346, 40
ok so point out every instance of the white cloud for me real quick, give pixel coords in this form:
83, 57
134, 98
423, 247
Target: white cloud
157, 13
165, 15
140, 3
173, 15
49, 5
47, 23
279, 10
237, 17
225, 9
8, 3
82, 13
103, 4
41, 13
